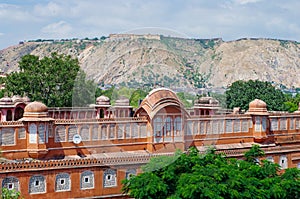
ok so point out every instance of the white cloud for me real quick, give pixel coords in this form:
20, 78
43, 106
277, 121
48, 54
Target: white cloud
51, 9
229, 19
58, 29
242, 2
12, 13
1, 34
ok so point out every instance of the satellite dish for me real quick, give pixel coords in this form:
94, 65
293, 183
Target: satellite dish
76, 139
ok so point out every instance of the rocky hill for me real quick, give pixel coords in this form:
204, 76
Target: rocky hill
137, 60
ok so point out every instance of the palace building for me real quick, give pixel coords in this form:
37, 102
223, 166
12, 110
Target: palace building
87, 152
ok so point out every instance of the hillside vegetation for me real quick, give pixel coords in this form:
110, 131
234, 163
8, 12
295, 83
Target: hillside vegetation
171, 62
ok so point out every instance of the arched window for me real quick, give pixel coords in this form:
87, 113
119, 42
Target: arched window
62, 182
37, 184
283, 162
60, 134
104, 132
41, 132
87, 180
32, 133
157, 126
177, 126
130, 172
85, 133
72, 130
10, 183
168, 126
8, 115
18, 113
110, 178
101, 113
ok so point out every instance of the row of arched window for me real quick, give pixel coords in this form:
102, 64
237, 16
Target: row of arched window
37, 183
101, 132
167, 126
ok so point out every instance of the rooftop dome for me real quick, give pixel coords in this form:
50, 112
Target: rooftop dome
123, 101
6, 100
258, 106
36, 107
102, 100
207, 100
35, 110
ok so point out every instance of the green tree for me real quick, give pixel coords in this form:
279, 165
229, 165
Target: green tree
187, 99
241, 93
50, 79
84, 91
292, 103
10, 194
137, 95
192, 175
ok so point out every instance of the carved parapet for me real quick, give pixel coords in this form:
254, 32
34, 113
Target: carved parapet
34, 165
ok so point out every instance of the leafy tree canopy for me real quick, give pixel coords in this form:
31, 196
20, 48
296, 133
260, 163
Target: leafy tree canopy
51, 80
192, 175
292, 103
134, 95
241, 93
9, 194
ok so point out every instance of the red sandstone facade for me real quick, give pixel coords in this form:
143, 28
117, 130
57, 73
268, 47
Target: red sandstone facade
84, 153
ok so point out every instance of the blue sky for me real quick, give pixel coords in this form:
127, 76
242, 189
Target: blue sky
228, 19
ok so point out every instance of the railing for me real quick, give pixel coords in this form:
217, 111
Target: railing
101, 120
85, 162
11, 124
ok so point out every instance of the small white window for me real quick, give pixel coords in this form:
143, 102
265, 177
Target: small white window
62, 181
86, 179
283, 162
10, 186
37, 183
108, 177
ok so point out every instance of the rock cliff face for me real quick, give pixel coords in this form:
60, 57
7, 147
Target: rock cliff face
171, 62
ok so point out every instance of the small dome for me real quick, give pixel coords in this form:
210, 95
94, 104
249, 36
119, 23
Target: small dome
102, 100
122, 102
36, 111
207, 100
257, 106
36, 107
6, 100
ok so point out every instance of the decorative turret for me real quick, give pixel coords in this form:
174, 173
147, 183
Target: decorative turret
6, 101
121, 108
36, 110
206, 106
102, 100
102, 105
258, 107
259, 112
12, 108
123, 101
37, 122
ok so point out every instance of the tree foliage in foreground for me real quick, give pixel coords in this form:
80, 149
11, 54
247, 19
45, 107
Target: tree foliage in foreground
51, 80
241, 93
192, 175
292, 102
9, 194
